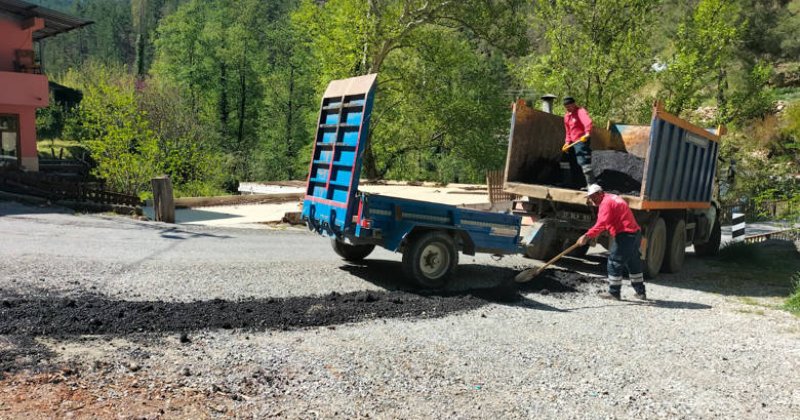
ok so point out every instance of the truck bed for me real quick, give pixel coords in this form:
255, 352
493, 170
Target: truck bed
679, 159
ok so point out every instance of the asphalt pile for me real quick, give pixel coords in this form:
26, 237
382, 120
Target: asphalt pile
95, 314
618, 172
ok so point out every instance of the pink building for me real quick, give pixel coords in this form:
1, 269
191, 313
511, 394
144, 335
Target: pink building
23, 85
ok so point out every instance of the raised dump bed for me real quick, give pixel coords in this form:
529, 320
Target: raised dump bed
665, 171
672, 161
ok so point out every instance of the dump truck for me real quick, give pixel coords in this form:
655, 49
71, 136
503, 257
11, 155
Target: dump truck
664, 171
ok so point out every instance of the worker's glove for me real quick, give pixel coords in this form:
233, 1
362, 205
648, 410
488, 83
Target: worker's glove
584, 139
565, 147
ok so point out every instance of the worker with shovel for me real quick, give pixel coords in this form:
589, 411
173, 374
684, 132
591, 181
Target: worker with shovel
616, 217
578, 126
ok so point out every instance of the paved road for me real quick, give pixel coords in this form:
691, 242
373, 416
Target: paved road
131, 259
695, 351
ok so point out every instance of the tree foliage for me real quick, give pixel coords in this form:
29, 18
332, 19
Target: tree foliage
597, 52
111, 125
229, 90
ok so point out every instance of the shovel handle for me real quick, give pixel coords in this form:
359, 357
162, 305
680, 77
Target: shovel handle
533, 272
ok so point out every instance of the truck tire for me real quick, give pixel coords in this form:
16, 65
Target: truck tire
353, 253
430, 259
579, 252
675, 252
546, 244
656, 243
541, 252
710, 248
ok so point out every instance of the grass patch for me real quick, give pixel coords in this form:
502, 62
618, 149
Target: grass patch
62, 149
788, 94
751, 311
741, 253
793, 303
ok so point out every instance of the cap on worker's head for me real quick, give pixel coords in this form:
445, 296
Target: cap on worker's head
594, 189
569, 100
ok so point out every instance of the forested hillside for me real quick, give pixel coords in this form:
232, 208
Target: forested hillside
216, 92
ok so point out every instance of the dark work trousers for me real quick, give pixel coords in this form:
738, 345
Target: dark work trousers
624, 256
580, 162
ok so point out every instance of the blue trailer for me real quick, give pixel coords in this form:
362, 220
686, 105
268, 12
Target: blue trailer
429, 235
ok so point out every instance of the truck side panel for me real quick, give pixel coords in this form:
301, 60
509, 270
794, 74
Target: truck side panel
681, 162
393, 218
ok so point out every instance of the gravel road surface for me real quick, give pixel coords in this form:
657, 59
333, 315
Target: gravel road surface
104, 316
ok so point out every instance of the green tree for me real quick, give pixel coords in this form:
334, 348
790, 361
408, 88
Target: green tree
349, 38
704, 50
111, 125
597, 52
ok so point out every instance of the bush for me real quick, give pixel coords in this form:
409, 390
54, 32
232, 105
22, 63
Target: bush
116, 132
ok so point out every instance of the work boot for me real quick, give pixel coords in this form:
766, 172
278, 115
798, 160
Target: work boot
610, 296
638, 286
588, 173
612, 293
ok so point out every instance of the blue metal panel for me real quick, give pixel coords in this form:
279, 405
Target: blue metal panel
681, 163
396, 217
343, 127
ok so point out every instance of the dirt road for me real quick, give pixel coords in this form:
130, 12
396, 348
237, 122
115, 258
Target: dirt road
103, 316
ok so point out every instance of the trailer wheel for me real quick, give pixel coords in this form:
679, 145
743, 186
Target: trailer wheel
675, 251
656, 243
430, 259
352, 253
710, 248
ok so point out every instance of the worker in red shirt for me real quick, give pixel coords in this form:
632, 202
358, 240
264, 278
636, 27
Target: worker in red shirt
615, 216
578, 126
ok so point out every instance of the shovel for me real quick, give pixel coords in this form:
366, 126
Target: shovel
566, 147
530, 273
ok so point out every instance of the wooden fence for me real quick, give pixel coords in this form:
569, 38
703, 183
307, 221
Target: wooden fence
785, 234
55, 188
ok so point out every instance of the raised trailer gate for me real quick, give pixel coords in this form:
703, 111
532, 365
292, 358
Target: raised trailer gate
429, 235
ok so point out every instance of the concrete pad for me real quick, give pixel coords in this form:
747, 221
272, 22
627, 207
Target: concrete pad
258, 215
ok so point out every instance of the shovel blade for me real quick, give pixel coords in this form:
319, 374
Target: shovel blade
527, 275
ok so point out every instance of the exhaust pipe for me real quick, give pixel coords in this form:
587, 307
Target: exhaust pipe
547, 102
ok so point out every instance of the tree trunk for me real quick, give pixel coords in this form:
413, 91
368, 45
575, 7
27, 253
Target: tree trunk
242, 107
224, 112
370, 166
289, 122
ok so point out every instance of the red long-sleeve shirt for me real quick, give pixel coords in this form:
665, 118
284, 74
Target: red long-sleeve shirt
614, 216
577, 124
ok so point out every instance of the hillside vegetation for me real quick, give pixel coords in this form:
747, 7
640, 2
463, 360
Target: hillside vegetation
217, 92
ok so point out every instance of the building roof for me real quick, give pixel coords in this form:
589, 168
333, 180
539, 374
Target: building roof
54, 22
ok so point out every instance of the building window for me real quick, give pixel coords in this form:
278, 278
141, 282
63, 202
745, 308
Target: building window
9, 140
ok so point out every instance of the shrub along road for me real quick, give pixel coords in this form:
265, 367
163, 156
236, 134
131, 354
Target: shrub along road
105, 316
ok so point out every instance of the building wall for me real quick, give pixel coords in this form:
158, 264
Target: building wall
21, 93
14, 38
28, 156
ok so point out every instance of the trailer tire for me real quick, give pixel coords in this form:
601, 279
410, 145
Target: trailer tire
675, 251
710, 248
352, 253
656, 243
430, 259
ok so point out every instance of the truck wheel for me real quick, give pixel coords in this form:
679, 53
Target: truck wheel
430, 259
675, 251
541, 252
710, 248
352, 253
580, 251
656, 242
